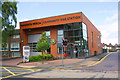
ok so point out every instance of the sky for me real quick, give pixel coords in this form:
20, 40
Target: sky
104, 15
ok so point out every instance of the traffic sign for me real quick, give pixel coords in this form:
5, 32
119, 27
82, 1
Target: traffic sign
65, 42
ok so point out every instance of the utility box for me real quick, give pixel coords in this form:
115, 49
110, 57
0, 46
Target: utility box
26, 53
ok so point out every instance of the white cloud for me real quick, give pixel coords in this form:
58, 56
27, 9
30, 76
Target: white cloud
25, 19
109, 33
109, 29
105, 11
112, 18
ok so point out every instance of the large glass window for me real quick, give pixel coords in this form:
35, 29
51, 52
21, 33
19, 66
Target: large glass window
16, 36
16, 54
84, 33
98, 44
15, 46
85, 39
60, 37
5, 53
76, 33
48, 35
2, 47
84, 28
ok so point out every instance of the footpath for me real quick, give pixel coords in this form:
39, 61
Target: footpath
57, 64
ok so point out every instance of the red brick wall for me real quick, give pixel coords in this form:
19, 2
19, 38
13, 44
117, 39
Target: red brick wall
92, 28
53, 26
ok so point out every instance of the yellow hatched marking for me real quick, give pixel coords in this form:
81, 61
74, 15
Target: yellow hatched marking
31, 70
8, 71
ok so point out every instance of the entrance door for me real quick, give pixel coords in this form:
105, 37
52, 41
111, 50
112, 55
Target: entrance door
76, 52
70, 51
73, 51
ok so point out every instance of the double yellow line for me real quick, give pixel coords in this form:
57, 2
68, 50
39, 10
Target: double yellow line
83, 66
98, 61
34, 70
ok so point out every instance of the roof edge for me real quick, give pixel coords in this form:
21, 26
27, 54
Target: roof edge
51, 16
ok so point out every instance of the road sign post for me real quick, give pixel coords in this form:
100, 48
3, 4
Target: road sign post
63, 57
65, 42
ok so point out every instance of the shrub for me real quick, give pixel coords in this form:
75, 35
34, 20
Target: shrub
112, 50
95, 53
41, 57
35, 58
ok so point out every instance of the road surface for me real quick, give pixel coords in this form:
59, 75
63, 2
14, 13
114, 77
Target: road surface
108, 68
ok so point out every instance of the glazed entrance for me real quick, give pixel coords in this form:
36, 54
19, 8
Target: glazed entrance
76, 34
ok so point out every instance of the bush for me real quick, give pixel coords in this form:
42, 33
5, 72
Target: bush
112, 50
35, 58
95, 53
41, 57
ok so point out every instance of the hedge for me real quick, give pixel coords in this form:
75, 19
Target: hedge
41, 57
112, 50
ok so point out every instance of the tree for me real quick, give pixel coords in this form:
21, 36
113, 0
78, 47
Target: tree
43, 44
9, 20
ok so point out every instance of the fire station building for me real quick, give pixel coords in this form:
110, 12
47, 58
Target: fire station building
84, 39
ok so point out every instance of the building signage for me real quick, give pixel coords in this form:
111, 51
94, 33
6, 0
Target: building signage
54, 20
26, 53
53, 41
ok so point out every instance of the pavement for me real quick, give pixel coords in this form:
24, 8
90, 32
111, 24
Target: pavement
56, 64
11, 62
73, 74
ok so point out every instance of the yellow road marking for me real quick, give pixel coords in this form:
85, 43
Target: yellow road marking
33, 70
83, 66
23, 68
9, 71
19, 74
100, 60
26, 66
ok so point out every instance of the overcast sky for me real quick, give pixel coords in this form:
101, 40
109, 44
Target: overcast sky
104, 15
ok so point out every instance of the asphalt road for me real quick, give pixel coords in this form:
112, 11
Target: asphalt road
108, 64
8, 72
108, 68
105, 69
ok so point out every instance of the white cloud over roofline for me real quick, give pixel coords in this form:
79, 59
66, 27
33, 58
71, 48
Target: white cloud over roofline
109, 33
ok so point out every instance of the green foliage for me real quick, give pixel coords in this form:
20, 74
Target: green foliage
9, 20
35, 58
9, 11
47, 57
104, 51
41, 57
112, 50
43, 44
